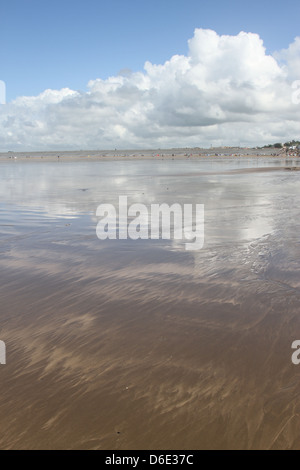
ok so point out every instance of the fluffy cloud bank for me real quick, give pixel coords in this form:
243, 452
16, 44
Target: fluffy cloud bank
227, 90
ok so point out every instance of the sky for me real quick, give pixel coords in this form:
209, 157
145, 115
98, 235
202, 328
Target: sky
135, 74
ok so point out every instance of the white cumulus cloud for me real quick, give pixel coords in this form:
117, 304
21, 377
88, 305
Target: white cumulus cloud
226, 90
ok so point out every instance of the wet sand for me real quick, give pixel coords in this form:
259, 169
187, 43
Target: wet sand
140, 344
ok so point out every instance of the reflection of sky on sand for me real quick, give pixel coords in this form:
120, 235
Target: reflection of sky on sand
54, 207
173, 349
238, 206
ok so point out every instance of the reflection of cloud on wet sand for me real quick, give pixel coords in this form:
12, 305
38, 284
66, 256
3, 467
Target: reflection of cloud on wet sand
135, 345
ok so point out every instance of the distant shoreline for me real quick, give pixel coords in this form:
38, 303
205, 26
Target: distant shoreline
156, 154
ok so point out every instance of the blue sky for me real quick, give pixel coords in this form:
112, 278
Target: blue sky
98, 74
66, 43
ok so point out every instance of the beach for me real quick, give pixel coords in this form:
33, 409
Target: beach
123, 344
153, 154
